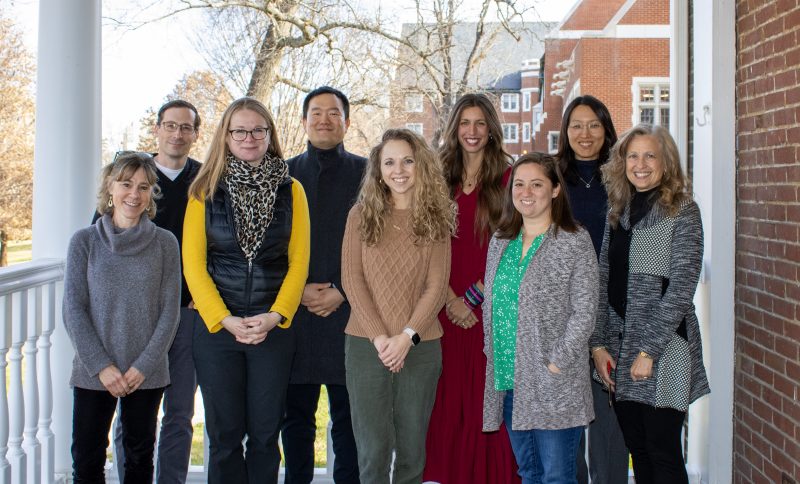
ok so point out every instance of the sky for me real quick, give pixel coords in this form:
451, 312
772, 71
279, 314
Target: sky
161, 53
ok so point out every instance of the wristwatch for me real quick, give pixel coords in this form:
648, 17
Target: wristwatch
413, 335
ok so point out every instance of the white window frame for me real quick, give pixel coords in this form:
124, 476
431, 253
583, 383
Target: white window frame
526, 101
512, 128
414, 103
509, 102
657, 83
526, 132
416, 127
552, 142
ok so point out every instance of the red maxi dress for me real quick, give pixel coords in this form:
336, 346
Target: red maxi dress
457, 451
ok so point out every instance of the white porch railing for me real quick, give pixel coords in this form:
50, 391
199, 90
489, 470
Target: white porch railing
28, 294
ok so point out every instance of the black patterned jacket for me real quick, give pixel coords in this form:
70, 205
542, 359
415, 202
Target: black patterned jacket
665, 258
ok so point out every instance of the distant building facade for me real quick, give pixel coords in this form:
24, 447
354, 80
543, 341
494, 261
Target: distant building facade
615, 50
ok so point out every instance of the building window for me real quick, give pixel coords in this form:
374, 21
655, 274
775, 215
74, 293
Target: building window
552, 142
651, 101
510, 103
526, 101
415, 127
413, 103
510, 133
526, 132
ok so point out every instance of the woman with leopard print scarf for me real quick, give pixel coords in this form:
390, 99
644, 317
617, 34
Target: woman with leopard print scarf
245, 254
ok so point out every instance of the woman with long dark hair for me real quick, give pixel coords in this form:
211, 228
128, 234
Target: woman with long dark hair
584, 143
541, 300
476, 168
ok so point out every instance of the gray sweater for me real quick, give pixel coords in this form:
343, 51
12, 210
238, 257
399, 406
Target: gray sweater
557, 304
662, 247
121, 301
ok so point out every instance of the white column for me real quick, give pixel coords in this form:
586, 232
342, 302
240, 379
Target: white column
66, 163
711, 422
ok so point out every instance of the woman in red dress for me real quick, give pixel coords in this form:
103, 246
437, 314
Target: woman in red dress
476, 168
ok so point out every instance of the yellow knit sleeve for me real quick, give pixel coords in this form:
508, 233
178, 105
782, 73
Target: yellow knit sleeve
299, 254
204, 292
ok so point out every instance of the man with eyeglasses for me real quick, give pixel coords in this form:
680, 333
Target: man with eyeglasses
330, 176
176, 130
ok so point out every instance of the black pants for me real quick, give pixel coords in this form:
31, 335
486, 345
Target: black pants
653, 436
244, 395
91, 422
299, 431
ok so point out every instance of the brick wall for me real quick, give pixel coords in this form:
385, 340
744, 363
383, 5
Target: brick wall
767, 373
592, 14
647, 12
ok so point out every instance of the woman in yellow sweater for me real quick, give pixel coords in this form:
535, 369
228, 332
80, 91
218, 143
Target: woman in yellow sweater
395, 267
245, 256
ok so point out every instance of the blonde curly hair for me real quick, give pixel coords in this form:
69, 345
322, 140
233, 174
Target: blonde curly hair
433, 214
674, 188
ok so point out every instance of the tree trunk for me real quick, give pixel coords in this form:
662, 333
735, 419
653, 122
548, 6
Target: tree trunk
3, 248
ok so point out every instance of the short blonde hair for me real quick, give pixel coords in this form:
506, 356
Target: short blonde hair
122, 168
674, 188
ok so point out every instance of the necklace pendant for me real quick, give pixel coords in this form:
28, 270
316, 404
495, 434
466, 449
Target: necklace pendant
588, 185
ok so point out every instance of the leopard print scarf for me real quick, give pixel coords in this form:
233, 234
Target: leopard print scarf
253, 191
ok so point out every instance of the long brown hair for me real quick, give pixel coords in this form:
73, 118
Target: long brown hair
560, 212
674, 188
204, 186
495, 162
432, 211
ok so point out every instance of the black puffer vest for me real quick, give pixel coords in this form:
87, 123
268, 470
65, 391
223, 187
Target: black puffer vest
248, 289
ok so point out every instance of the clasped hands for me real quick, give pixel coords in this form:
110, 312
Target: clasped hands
251, 330
392, 351
321, 298
120, 385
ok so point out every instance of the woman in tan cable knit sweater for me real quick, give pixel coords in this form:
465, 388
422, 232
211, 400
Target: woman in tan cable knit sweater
395, 267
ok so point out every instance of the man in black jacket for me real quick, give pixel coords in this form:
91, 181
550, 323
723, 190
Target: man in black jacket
176, 130
331, 177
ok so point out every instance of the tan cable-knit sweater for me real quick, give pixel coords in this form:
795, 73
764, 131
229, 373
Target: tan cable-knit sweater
393, 284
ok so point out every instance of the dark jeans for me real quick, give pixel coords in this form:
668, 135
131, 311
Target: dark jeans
543, 456
653, 435
91, 422
175, 438
244, 395
299, 431
608, 456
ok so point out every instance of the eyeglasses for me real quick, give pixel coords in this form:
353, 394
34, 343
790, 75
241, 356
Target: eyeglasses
171, 127
593, 126
241, 134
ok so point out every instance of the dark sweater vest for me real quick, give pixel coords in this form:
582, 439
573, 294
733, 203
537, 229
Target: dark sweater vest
248, 288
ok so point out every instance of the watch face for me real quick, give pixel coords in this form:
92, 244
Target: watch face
415, 339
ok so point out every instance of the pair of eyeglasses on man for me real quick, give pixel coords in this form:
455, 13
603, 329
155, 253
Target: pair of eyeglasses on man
172, 127
241, 134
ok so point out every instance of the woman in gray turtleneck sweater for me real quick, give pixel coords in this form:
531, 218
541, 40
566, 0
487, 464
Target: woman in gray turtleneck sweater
121, 298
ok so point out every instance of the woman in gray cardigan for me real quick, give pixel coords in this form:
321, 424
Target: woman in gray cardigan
647, 330
541, 298
121, 297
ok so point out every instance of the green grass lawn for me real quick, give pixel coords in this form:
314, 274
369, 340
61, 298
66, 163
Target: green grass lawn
19, 251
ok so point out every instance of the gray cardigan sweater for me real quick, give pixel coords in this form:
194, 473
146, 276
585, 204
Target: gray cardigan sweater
662, 247
121, 301
557, 305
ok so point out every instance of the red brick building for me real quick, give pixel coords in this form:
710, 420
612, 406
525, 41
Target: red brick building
615, 50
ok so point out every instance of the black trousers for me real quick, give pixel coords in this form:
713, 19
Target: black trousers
653, 436
93, 411
299, 431
244, 395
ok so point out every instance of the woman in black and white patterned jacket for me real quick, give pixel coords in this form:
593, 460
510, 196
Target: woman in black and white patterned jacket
647, 331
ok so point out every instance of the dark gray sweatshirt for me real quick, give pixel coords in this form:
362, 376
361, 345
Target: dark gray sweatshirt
121, 301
